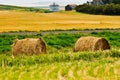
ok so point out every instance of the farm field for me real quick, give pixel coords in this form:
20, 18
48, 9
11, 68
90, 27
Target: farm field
17, 20
60, 62
60, 31
62, 66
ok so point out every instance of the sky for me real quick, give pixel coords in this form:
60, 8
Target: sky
31, 3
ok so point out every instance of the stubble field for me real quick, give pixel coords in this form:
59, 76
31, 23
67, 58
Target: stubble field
16, 20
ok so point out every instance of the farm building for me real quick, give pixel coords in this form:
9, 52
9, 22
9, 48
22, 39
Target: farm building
54, 7
70, 7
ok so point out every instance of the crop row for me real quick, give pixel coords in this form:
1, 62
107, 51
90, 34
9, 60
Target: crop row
81, 70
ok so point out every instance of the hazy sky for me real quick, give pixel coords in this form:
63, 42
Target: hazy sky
40, 2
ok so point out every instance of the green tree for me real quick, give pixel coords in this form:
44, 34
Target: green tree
116, 1
107, 1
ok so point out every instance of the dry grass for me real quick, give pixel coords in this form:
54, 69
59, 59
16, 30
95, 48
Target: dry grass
28, 46
12, 21
91, 43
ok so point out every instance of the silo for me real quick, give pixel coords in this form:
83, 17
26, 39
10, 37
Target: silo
54, 7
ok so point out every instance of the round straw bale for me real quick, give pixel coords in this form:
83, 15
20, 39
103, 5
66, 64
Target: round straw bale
28, 46
91, 44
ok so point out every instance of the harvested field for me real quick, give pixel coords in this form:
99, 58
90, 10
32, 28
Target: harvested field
15, 21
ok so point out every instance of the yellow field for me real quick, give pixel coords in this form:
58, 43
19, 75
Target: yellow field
14, 21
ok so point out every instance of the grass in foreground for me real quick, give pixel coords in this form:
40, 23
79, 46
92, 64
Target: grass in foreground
60, 62
59, 66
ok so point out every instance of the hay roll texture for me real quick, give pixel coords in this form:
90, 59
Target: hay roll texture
28, 46
91, 43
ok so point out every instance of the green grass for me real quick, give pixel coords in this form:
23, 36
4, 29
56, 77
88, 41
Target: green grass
60, 62
70, 66
59, 41
7, 60
65, 70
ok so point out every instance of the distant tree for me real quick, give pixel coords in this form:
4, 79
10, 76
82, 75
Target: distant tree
108, 9
107, 1
111, 1
116, 1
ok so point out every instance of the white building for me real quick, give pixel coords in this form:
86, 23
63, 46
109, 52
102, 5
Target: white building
54, 7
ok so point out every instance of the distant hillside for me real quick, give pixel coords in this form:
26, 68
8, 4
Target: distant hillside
31, 9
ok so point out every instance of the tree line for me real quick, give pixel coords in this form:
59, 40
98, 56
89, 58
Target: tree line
107, 9
111, 1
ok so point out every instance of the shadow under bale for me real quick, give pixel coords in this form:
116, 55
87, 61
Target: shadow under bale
28, 46
91, 44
